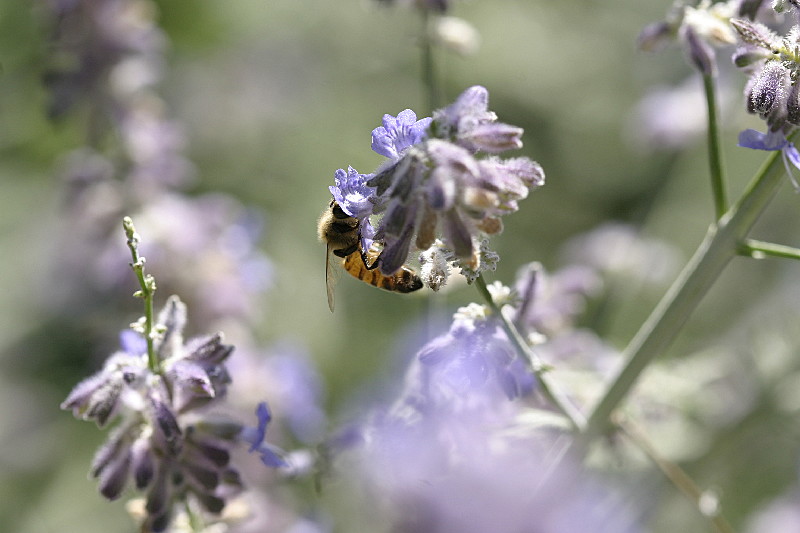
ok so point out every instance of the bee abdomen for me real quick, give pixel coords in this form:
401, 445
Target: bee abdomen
404, 280
407, 280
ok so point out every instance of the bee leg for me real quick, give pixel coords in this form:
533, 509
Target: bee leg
344, 252
375, 264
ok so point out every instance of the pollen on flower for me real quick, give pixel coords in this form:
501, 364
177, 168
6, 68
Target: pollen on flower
501, 295
435, 270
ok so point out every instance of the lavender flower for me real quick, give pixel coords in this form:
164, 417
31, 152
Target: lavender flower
165, 441
620, 252
772, 90
214, 237
550, 303
699, 28
473, 362
108, 56
433, 186
293, 388
774, 141
399, 133
445, 471
93, 42
357, 199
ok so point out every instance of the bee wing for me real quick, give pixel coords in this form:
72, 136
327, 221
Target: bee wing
331, 276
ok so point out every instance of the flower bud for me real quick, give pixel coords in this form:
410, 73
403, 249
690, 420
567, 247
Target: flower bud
115, 475
142, 463
747, 55
491, 225
167, 434
456, 34
426, 233
700, 53
768, 89
493, 137
654, 36
793, 104
756, 34
458, 237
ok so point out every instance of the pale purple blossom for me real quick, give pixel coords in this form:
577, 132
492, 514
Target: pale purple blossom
449, 472
270, 455
436, 187
356, 198
552, 302
165, 440
399, 133
773, 141
620, 251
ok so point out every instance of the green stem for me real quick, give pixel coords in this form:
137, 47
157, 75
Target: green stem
758, 249
553, 395
676, 475
148, 287
720, 245
429, 82
195, 523
714, 151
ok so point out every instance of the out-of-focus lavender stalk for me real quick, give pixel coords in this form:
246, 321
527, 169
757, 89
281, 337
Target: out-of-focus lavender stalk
677, 476
562, 404
721, 244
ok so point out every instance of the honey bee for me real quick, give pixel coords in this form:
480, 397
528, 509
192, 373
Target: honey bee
342, 234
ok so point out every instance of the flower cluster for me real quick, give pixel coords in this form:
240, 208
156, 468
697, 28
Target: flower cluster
106, 60
772, 91
699, 28
464, 478
451, 453
433, 185
473, 363
165, 441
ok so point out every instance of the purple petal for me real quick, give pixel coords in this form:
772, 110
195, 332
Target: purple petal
458, 236
142, 463
132, 342
761, 141
270, 456
396, 252
264, 416
168, 433
193, 378
352, 193
792, 154
399, 133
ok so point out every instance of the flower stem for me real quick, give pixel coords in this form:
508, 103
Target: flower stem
720, 245
148, 288
429, 81
676, 475
714, 151
759, 249
553, 395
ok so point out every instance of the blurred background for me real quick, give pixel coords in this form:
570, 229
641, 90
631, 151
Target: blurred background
267, 99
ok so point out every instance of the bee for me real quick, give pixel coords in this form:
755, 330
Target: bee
342, 234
